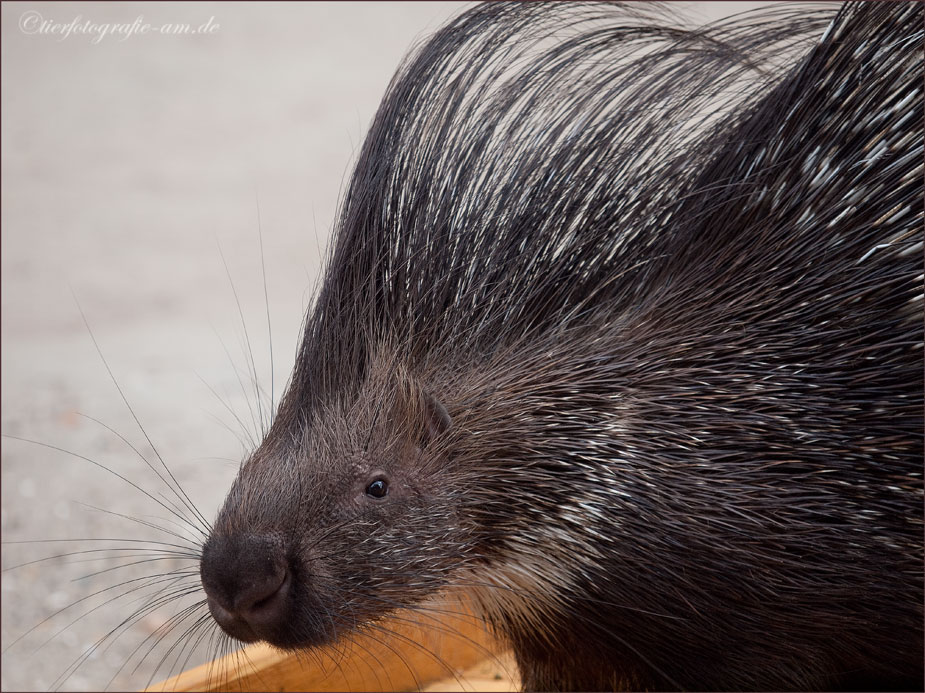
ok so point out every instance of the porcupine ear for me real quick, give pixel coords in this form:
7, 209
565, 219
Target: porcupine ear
436, 417
421, 413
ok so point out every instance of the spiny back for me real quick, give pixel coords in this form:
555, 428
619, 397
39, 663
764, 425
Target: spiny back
534, 166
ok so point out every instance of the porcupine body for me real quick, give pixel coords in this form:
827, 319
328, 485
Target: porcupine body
621, 334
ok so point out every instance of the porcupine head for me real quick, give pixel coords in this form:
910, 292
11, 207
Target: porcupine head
336, 521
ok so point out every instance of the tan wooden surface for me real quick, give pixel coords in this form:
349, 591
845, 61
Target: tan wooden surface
452, 652
494, 674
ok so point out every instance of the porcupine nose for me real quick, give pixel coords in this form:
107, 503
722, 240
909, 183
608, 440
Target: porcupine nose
246, 581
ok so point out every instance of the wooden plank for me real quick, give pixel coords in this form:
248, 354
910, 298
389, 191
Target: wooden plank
410, 651
493, 674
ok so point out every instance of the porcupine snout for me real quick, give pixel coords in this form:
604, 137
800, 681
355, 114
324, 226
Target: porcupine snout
246, 580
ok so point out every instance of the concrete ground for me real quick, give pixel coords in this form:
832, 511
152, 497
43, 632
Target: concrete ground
127, 164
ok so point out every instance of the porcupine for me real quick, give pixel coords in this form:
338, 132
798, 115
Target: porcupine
621, 334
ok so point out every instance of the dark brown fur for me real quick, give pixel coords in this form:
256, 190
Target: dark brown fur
628, 318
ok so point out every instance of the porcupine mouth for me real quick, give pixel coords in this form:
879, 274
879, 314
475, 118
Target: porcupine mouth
285, 622
304, 626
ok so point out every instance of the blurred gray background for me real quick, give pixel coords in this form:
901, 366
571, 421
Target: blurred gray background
126, 164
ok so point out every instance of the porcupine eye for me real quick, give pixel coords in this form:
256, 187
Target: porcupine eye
378, 488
